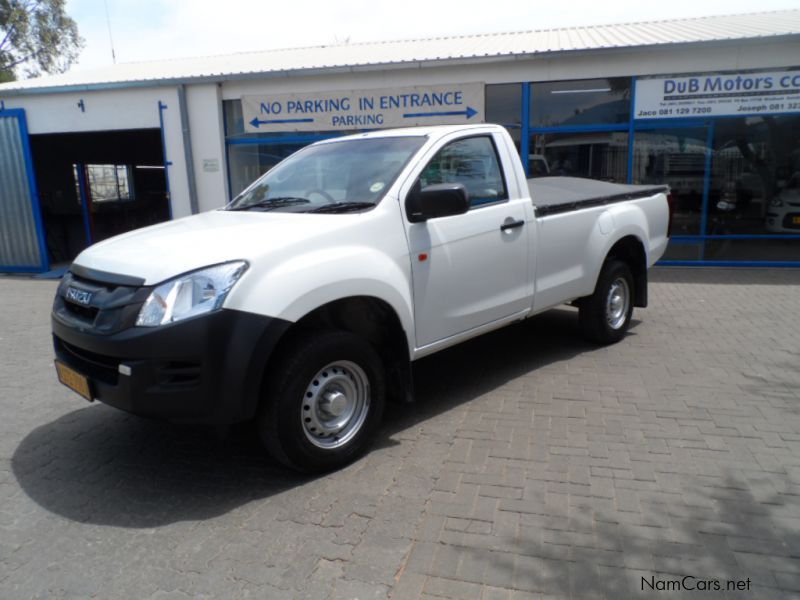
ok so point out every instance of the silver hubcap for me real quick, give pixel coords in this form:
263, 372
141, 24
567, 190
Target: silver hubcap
617, 303
335, 404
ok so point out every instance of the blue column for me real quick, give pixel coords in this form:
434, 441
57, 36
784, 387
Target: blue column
524, 143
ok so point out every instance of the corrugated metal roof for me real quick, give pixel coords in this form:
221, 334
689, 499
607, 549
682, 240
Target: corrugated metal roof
468, 47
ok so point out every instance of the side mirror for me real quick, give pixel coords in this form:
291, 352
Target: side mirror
440, 200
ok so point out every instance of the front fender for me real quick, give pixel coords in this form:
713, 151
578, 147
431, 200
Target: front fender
303, 283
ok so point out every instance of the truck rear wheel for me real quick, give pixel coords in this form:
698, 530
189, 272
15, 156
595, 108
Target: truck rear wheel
323, 401
605, 315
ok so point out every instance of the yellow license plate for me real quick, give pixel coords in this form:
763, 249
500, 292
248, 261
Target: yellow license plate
73, 380
796, 220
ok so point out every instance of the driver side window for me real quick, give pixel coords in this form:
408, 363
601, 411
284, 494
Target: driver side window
471, 162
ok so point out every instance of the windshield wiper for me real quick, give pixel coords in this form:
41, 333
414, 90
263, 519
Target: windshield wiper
272, 203
342, 207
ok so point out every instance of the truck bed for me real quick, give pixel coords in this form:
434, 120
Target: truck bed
554, 195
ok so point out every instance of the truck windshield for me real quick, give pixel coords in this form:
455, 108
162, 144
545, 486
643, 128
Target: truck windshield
337, 176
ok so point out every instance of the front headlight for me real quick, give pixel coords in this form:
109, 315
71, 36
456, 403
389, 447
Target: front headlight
776, 202
190, 295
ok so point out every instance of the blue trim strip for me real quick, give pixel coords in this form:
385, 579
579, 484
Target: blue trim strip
525, 139
714, 117
33, 190
728, 263
707, 181
84, 198
631, 130
580, 128
294, 139
21, 269
737, 236
673, 241
227, 154
649, 124
167, 164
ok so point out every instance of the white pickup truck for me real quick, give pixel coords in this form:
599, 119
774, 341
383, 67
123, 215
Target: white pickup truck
302, 304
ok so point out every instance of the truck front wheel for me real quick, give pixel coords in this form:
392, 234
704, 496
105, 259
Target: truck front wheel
605, 315
323, 401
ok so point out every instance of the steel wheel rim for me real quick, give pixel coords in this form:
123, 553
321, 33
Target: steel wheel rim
335, 404
617, 303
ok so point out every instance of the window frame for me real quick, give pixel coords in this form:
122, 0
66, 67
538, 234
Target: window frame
500, 168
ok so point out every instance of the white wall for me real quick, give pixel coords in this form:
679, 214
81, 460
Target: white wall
204, 105
110, 110
103, 110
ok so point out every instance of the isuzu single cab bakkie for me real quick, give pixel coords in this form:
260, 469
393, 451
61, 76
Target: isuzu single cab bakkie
303, 302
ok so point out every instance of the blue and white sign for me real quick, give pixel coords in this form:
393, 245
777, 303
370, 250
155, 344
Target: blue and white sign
713, 95
365, 109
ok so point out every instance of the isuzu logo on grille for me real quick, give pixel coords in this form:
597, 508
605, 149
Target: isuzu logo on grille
79, 296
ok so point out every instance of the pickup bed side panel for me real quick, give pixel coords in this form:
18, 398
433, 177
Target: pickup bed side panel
574, 245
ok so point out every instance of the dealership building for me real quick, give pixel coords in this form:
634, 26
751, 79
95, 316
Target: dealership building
709, 106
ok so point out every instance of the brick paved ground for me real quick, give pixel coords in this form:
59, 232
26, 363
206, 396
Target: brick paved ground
533, 466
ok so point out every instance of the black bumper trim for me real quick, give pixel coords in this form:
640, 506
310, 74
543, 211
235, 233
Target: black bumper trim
202, 370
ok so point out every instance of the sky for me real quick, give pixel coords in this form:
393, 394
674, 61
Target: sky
160, 29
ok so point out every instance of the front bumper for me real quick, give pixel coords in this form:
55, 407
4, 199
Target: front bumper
203, 370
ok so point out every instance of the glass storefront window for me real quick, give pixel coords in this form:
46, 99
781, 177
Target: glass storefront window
755, 176
676, 157
504, 107
234, 121
581, 102
248, 162
598, 155
753, 250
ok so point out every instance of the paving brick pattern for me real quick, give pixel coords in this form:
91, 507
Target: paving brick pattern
533, 466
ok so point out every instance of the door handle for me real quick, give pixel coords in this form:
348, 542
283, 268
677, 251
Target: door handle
511, 225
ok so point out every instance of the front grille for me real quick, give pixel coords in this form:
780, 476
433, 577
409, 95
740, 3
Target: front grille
88, 313
109, 309
96, 366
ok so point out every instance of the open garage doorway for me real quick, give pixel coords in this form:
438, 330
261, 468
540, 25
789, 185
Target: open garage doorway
96, 185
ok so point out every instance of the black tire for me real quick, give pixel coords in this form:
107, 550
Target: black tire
602, 321
297, 397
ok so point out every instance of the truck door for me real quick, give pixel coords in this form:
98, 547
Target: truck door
471, 269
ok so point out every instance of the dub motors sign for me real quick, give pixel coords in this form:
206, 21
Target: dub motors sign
713, 95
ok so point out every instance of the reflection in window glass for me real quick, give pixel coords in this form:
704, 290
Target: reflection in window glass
249, 162
504, 107
471, 162
580, 102
232, 113
340, 171
755, 176
598, 155
675, 157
